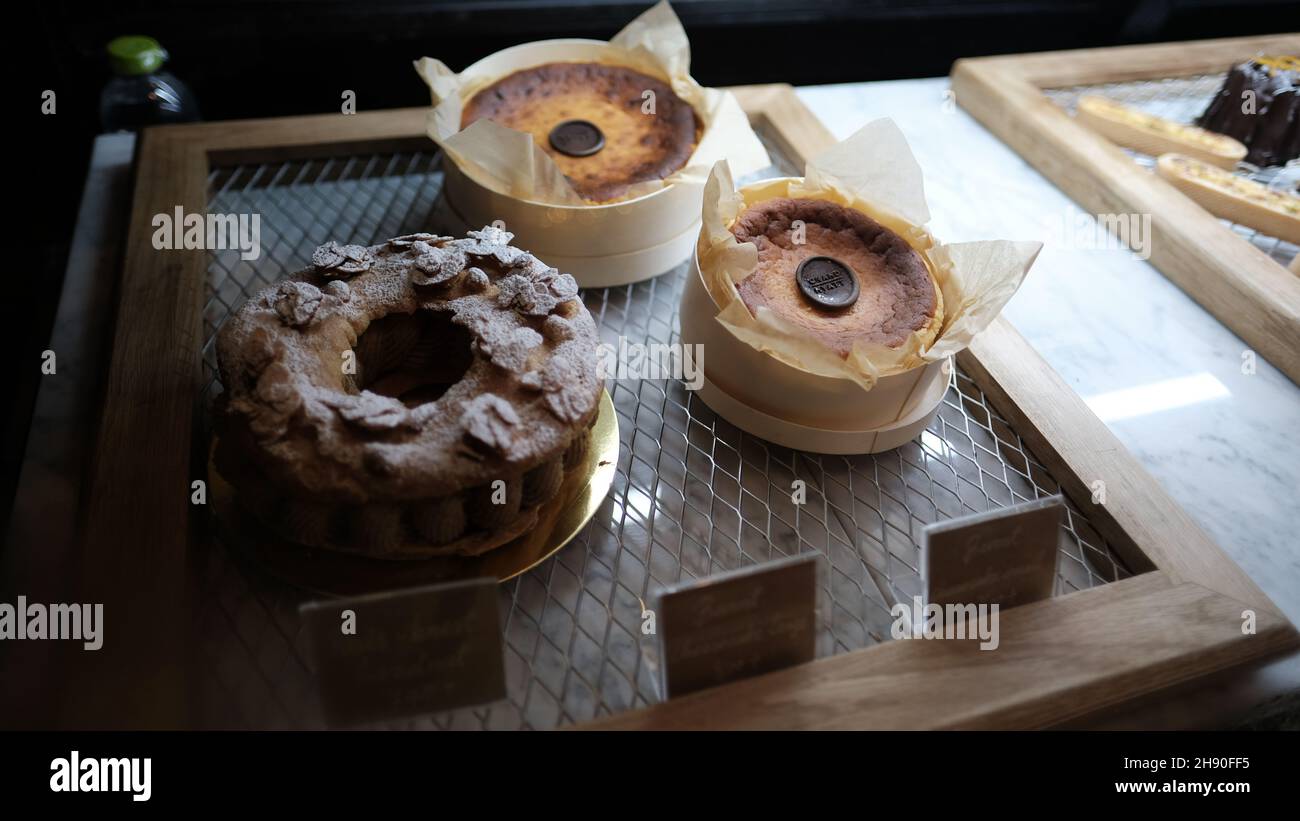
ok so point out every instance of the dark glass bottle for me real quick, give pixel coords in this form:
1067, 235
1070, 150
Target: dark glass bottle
141, 93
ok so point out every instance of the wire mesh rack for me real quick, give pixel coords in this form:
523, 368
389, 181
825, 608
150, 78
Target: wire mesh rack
692, 495
1182, 99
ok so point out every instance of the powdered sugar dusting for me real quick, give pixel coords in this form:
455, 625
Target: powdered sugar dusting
533, 352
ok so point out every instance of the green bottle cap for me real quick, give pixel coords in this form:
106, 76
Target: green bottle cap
136, 54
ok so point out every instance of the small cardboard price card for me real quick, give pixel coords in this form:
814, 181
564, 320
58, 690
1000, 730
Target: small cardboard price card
740, 624
1005, 557
408, 652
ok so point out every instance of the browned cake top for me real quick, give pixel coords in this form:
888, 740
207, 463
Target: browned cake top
408, 370
641, 142
898, 295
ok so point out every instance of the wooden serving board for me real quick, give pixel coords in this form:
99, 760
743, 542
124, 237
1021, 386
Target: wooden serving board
1176, 621
1241, 285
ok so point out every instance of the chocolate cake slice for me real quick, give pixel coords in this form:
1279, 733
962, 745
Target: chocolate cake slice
1259, 105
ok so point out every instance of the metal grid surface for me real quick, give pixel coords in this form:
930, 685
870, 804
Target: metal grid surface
1182, 99
692, 494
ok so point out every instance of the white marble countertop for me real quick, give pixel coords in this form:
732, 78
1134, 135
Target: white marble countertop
1162, 373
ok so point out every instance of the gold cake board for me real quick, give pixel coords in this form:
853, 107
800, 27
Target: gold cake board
341, 574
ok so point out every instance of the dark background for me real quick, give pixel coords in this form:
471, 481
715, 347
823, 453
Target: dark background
280, 57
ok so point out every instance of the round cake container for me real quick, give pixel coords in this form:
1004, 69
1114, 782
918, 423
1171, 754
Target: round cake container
823, 440
762, 395
601, 245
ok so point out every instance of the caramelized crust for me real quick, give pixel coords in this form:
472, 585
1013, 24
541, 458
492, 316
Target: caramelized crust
639, 146
899, 295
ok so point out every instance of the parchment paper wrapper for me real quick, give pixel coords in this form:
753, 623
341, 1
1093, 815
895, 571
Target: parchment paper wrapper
509, 163
874, 172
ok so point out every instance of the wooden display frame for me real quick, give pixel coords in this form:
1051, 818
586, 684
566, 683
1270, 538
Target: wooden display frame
1232, 279
1178, 620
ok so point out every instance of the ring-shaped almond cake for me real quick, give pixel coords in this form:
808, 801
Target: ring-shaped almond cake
416, 398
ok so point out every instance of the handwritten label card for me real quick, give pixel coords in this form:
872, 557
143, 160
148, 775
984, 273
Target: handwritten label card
408, 652
1005, 557
740, 624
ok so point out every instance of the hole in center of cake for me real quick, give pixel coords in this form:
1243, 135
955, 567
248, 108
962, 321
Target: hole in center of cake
415, 358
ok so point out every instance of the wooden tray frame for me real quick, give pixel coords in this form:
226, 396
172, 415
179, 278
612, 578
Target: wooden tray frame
1176, 621
1239, 284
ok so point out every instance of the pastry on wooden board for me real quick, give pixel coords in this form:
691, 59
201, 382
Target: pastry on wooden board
1149, 134
1233, 197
